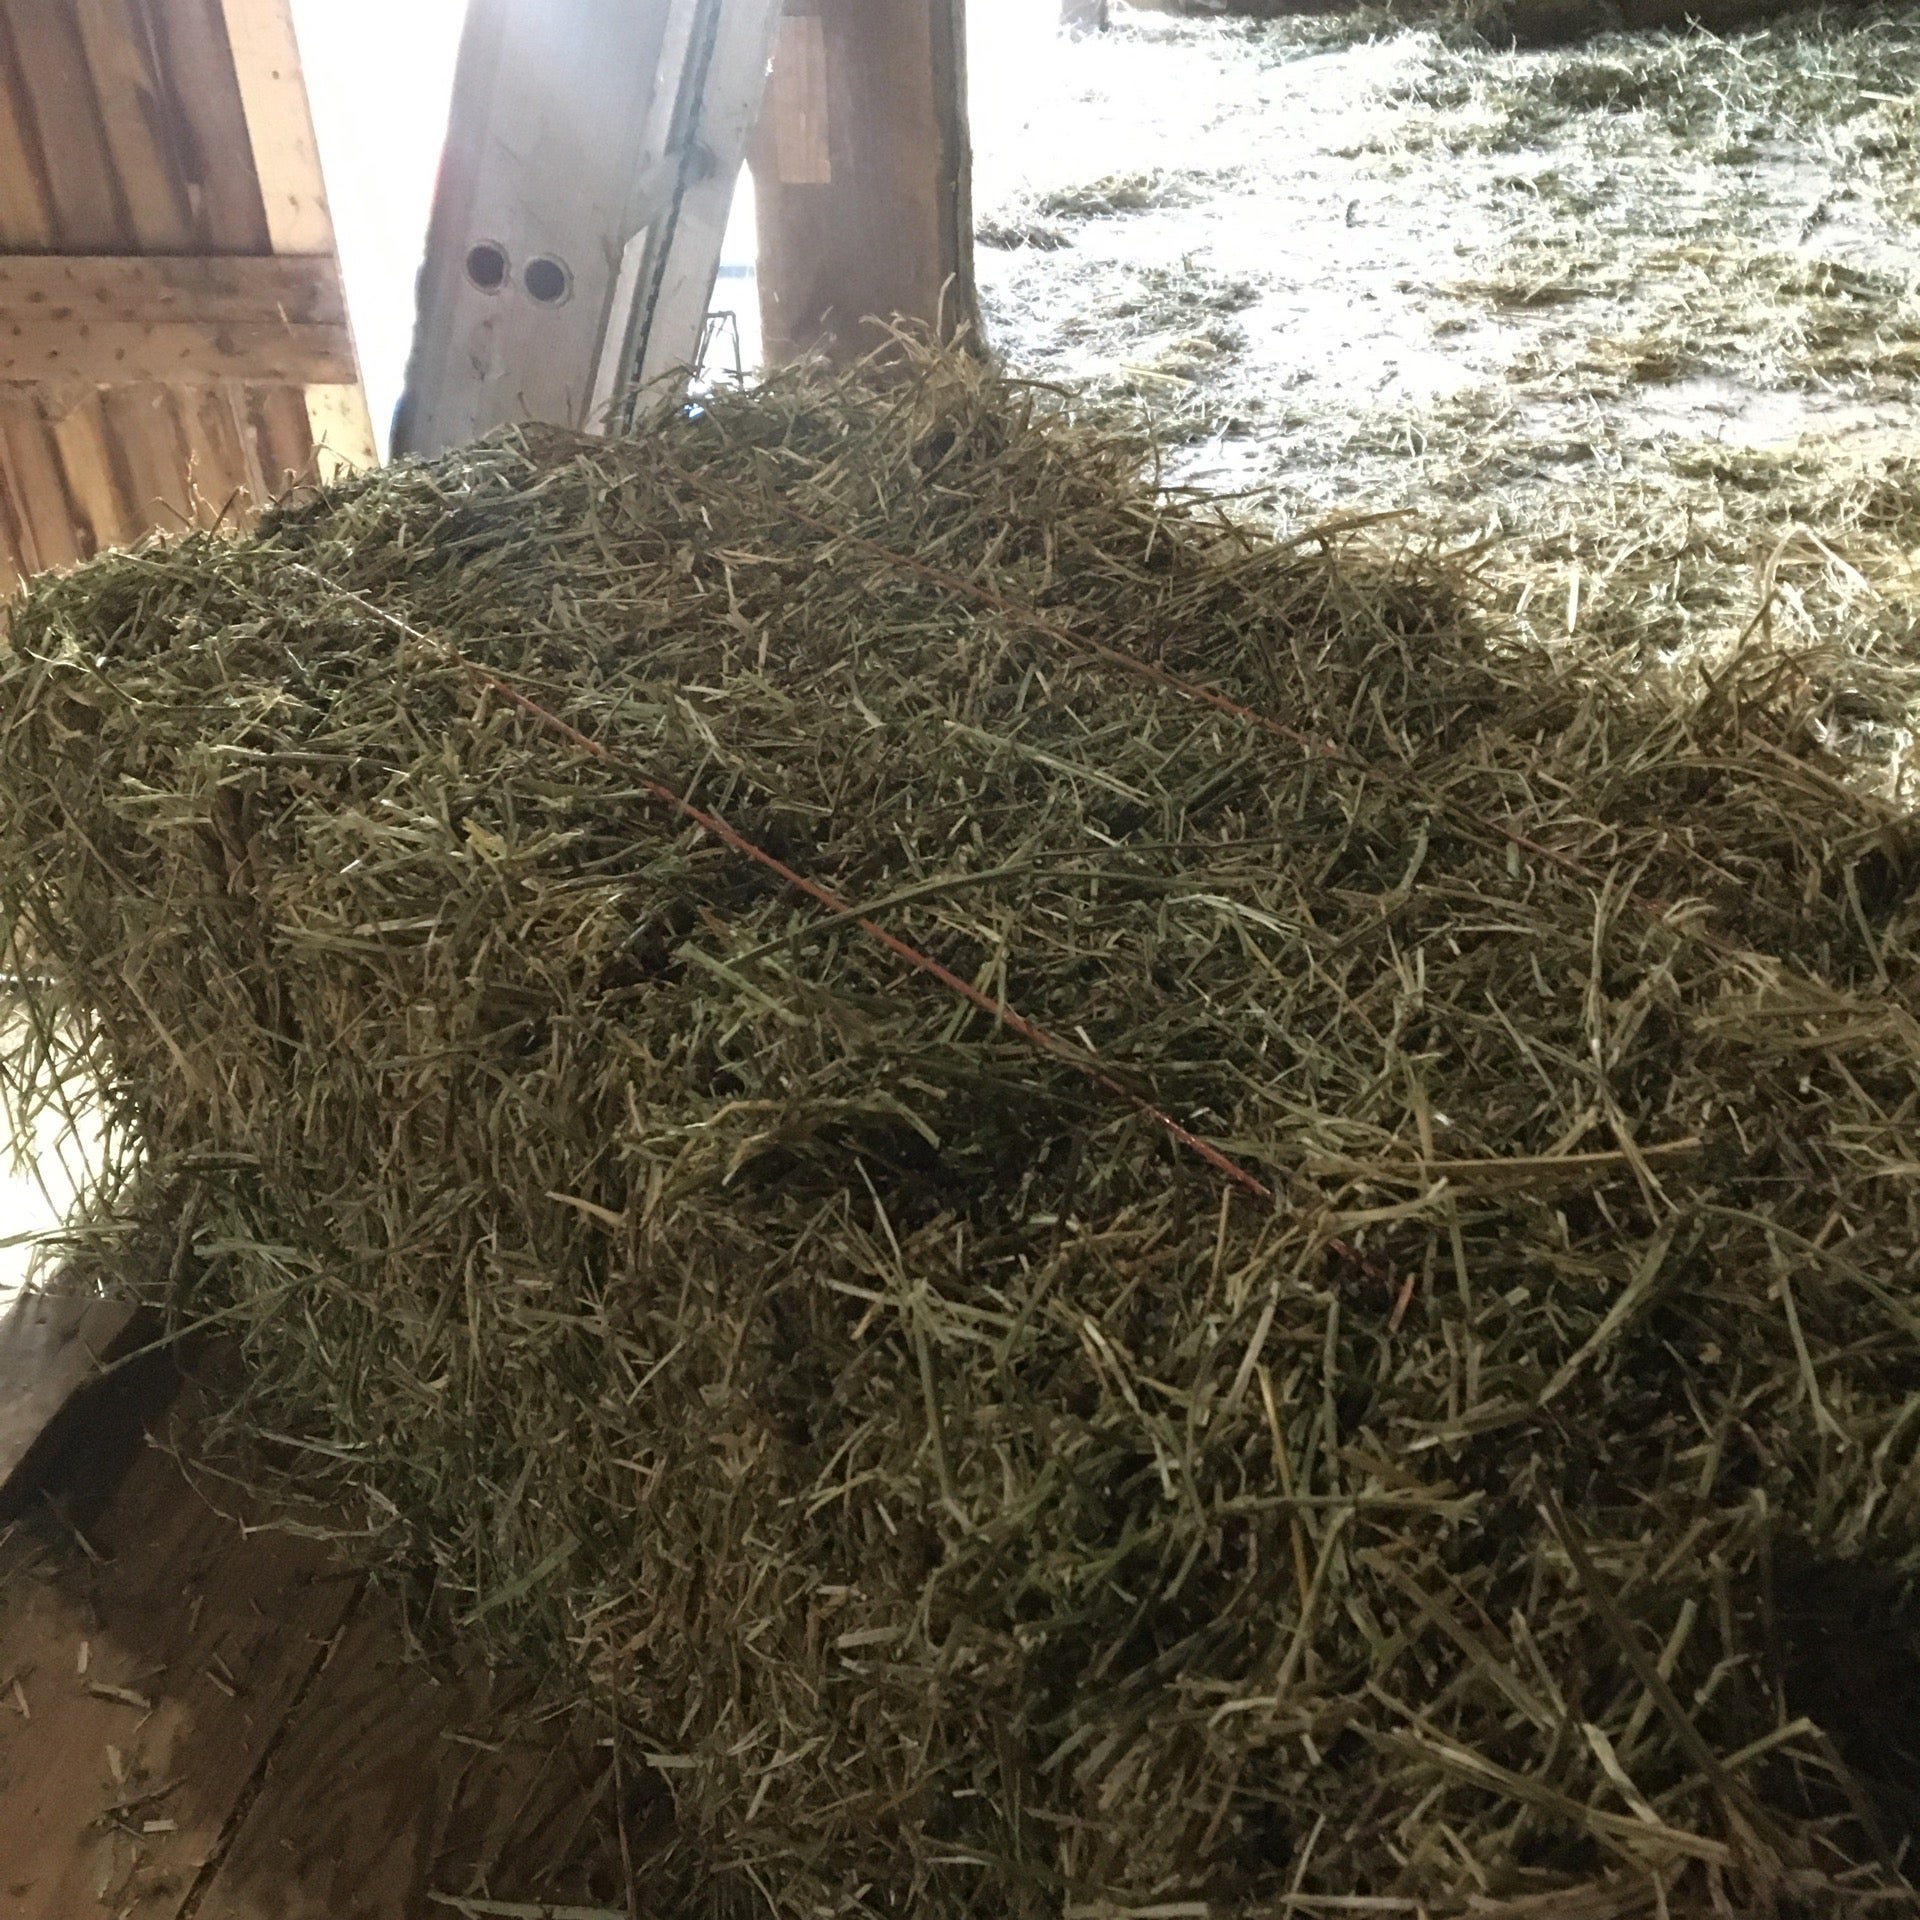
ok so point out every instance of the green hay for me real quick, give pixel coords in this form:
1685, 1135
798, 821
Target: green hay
963, 1499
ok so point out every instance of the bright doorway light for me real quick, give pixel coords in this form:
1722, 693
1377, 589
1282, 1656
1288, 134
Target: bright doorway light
380, 79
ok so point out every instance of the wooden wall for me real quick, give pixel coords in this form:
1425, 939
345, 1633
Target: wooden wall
174, 343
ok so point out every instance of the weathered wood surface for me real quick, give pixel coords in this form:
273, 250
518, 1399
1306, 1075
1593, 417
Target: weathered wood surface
546, 137
174, 129
50, 1352
203, 1717
300, 290
663, 334
388, 1788
177, 353
591, 158
862, 173
140, 1694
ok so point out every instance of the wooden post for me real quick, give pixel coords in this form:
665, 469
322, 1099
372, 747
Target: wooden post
862, 174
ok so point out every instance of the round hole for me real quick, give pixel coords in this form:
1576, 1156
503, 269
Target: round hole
547, 281
487, 267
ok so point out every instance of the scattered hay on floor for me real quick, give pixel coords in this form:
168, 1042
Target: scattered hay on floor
968, 1493
1516, 23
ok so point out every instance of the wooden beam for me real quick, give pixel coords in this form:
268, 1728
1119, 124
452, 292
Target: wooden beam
293, 188
62, 112
300, 290
862, 172
718, 107
137, 138
592, 153
114, 321
546, 138
273, 96
106, 353
198, 100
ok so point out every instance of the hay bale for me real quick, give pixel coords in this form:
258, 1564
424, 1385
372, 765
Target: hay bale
968, 1497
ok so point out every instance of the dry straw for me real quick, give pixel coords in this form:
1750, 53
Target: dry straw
967, 1497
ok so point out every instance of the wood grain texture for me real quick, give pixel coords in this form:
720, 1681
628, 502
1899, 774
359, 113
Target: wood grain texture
175, 352
200, 1717
207, 123
88, 457
273, 101
155, 1670
26, 212
301, 290
141, 154
49, 1351
34, 477
222, 463
341, 430
886, 234
389, 1786
144, 427
792, 137
283, 437
158, 363
49, 72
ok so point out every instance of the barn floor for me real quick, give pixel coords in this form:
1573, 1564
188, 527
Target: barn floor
1643, 310
203, 1717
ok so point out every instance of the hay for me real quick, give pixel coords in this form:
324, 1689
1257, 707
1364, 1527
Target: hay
1565, 275
1510, 23
968, 1498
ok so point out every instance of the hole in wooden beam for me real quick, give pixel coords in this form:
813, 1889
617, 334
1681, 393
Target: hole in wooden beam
548, 281
487, 266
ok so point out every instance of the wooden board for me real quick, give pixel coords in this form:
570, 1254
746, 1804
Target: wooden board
590, 164
49, 74
219, 1722
286, 159
139, 143
193, 289
545, 138
50, 1351
862, 177
43, 521
175, 353
273, 102
389, 1787
662, 334
140, 1694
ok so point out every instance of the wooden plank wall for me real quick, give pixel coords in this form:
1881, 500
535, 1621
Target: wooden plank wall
154, 373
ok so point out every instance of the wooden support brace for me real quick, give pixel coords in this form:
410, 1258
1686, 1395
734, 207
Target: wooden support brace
862, 175
117, 321
286, 160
